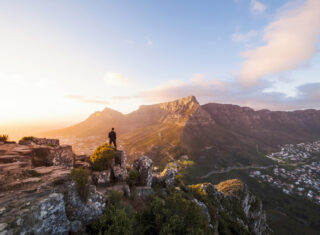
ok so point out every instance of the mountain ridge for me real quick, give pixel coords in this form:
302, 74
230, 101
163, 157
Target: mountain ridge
222, 134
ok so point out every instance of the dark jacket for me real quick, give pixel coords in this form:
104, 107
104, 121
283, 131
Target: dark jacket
112, 135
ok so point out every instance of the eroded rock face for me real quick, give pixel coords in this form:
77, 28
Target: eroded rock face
85, 212
169, 174
63, 156
53, 156
101, 177
142, 192
120, 174
204, 208
31, 197
238, 194
121, 158
144, 165
48, 218
40, 141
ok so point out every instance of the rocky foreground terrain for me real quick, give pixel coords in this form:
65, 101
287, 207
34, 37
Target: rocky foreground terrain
39, 196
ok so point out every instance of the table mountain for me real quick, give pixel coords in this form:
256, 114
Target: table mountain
214, 135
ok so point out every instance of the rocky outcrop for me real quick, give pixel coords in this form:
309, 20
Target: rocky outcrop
169, 174
85, 212
204, 209
39, 141
102, 178
252, 214
39, 202
116, 173
46, 200
144, 165
53, 156
49, 217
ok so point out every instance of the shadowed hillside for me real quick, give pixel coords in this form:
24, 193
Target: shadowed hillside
214, 135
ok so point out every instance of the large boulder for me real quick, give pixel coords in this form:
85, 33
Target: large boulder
120, 173
101, 177
143, 165
169, 174
85, 212
47, 218
121, 159
42, 157
63, 156
53, 156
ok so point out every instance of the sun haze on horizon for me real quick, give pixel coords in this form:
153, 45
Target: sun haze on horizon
61, 61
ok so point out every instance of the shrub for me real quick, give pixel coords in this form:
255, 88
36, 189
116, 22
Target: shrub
133, 178
27, 138
102, 157
4, 138
174, 215
230, 187
116, 219
80, 176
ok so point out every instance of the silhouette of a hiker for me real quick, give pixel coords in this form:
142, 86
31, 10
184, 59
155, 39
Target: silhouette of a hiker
113, 137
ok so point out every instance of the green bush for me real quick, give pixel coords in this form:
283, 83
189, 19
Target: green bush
133, 177
4, 138
80, 176
102, 157
174, 215
27, 138
116, 219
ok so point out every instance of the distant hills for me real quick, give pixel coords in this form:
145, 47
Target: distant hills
214, 135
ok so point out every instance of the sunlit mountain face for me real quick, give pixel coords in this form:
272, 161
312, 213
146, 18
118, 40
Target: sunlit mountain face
215, 135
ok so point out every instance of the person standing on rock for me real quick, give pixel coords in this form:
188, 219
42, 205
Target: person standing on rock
113, 137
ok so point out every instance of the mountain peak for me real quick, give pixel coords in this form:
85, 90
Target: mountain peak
186, 103
189, 99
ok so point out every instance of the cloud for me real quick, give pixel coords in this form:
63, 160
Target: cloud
215, 90
245, 38
115, 79
83, 99
149, 41
290, 41
257, 7
198, 85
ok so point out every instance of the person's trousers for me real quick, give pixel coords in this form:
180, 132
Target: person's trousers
112, 141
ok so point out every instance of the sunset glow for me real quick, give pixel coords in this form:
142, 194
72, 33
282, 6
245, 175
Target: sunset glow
61, 61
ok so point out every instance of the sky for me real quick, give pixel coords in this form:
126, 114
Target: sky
62, 60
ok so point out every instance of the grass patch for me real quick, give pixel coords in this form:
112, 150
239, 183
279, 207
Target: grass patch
80, 176
133, 177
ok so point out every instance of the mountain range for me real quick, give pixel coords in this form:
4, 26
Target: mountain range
214, 135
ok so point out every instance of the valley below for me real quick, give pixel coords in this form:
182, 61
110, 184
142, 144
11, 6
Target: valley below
289, 188
275, 153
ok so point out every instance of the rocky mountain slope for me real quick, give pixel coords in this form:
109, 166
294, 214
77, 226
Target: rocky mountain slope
215, 135
47, 199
